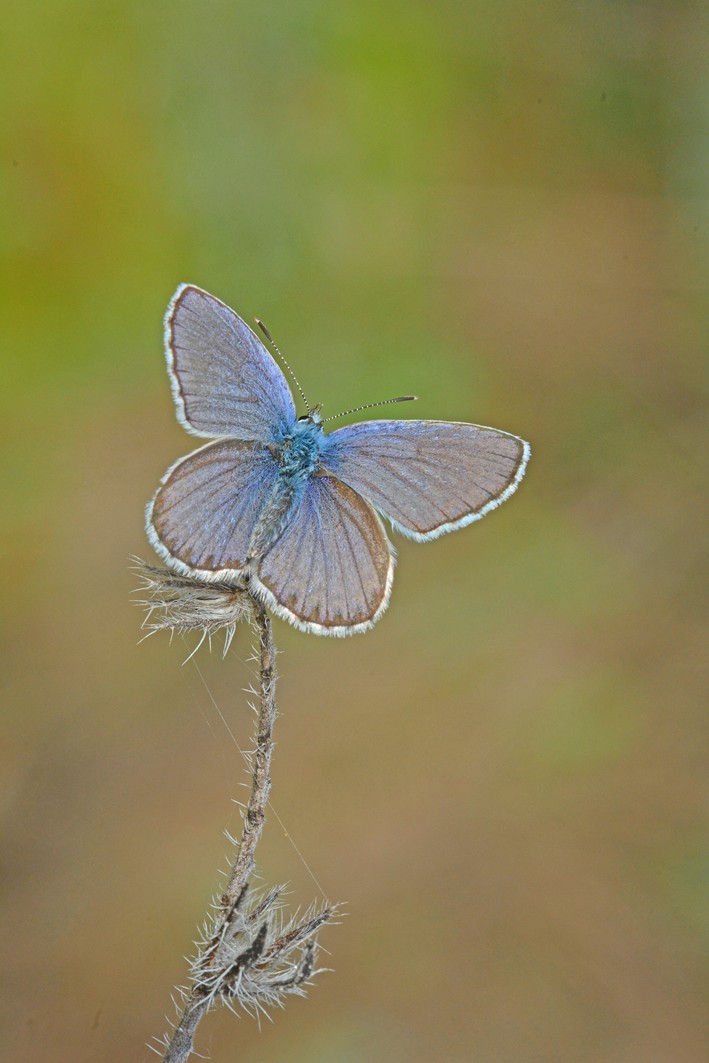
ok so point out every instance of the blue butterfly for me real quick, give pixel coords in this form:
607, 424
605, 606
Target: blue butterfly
274, 502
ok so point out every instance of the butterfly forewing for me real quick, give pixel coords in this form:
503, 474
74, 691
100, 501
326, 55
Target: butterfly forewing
224, 381
428, 477
204, 513
330, 571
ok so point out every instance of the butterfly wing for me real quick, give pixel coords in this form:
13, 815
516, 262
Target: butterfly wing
428, 477
224, 381
204, 513
331, 570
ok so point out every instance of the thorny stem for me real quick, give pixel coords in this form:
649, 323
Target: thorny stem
181, 1043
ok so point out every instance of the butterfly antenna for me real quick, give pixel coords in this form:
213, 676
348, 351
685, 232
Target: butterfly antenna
269, 337
371, 405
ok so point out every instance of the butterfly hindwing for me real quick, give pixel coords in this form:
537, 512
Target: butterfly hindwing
330, 572
203, 515
428, 477
224, 381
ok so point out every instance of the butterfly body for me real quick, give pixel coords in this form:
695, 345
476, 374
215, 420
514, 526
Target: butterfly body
297, 453
276, 502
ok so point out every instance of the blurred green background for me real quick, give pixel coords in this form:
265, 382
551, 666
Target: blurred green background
502, 208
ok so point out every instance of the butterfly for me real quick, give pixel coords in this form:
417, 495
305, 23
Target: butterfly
276, 503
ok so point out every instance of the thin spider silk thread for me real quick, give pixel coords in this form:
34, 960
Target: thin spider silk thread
246, 761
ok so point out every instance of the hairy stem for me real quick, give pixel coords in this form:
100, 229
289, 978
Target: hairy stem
181, 1044
261, 784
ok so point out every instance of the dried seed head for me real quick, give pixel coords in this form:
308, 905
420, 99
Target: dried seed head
180, 604
253, 955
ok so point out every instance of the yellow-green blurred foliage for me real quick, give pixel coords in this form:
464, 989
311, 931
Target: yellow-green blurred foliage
500, 207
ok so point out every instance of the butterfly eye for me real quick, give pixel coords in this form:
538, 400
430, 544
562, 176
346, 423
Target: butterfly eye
314, 416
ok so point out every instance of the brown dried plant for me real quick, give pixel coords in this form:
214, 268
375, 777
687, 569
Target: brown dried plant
250, 954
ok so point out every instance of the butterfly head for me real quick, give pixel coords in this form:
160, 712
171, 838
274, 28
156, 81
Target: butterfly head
313, 416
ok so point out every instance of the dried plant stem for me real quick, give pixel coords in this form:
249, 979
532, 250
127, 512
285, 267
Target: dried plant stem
261, 787
250, 954
182, 1041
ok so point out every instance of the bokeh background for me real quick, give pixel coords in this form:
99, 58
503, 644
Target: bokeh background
502, 208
